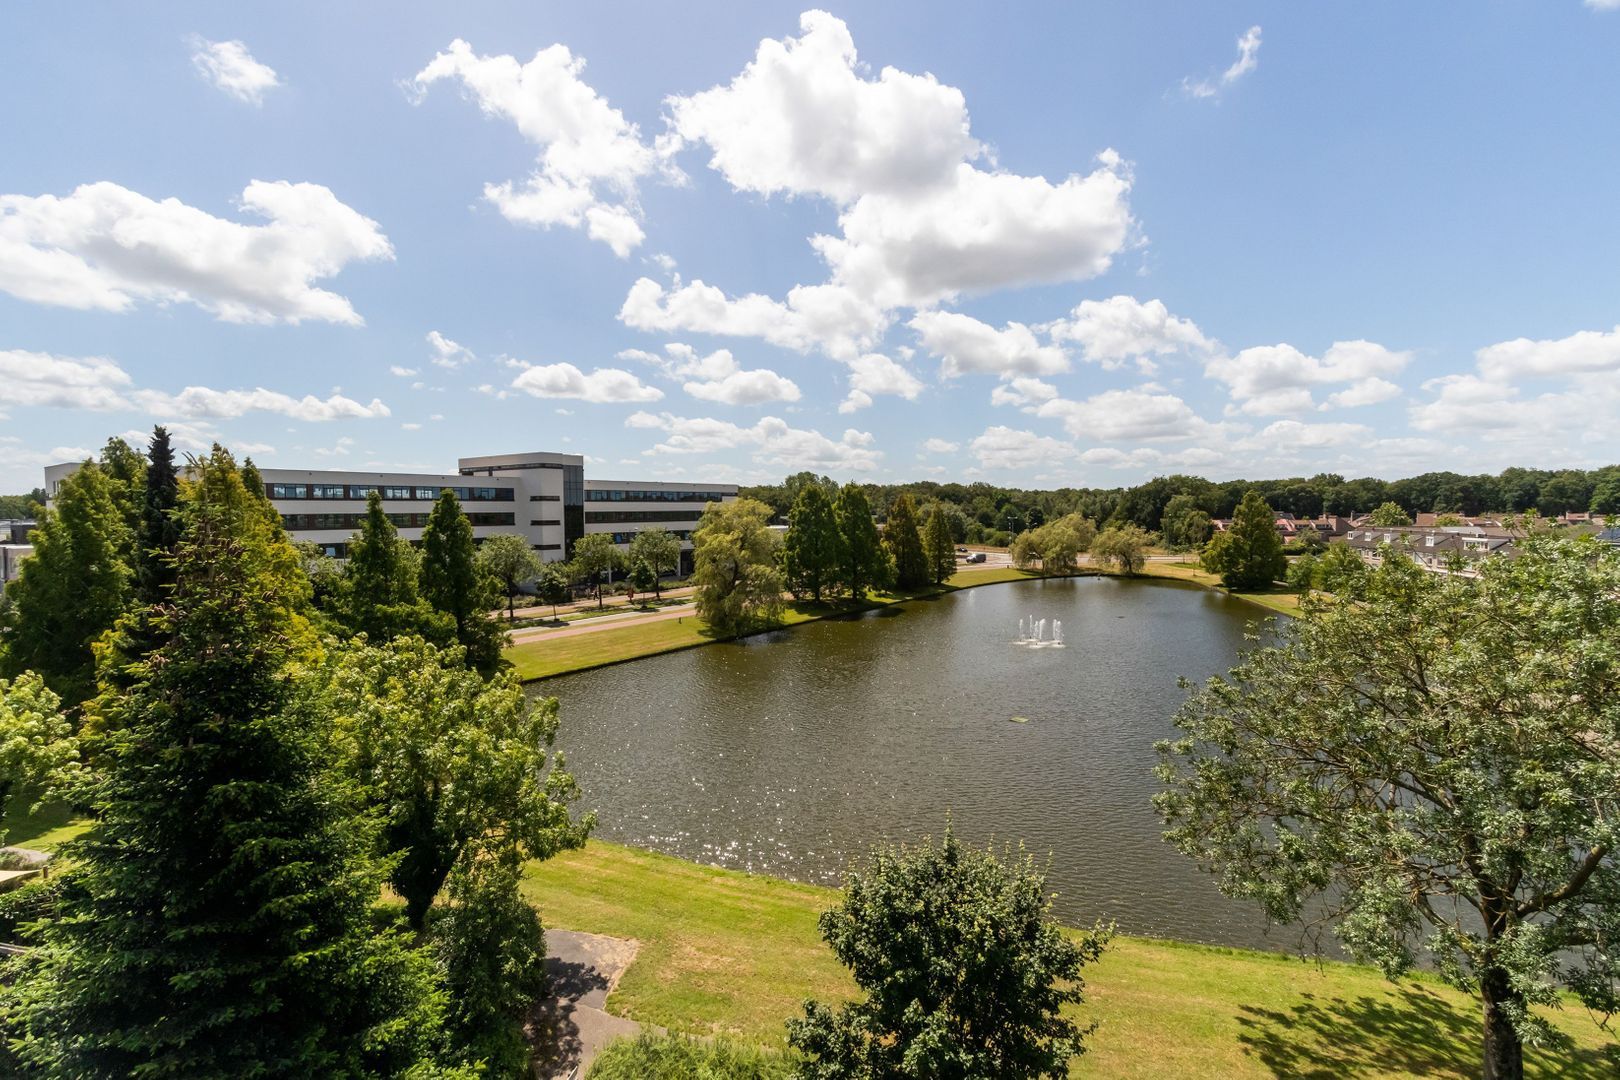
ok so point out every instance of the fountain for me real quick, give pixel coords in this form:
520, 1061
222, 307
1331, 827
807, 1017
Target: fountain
1033, 632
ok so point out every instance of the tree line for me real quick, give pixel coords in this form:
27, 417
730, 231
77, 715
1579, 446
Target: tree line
990, 514
260, 749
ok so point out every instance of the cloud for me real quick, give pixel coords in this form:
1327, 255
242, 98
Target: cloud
745, 388
40, 379
919, 221
1603, 5
602, 386
1248, 59
828, 317
1138, 415
964, 344
800, 119
1290, 434
1023, 390
201, 402
105, 247
1588, 352
872, 375
402, 372
940, 446
591, 158
1008, 448
231, 68
1110, 332
447, 353
772, 440
1268, 380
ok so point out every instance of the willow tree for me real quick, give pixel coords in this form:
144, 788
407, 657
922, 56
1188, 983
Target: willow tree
1432, 766
734, 554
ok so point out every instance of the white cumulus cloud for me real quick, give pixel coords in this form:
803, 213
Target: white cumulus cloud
231, 68
41, 379
1248, 59
874, 374
201, 402
447, 353
1269, 380
106, 247
1009, 448
1110, 332
772, 441
602, 386
964, 344
591, 158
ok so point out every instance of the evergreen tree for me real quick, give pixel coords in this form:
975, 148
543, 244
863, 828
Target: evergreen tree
900, 536
252, 482
218, 920
812, 551
452, 584
938, 546
866, 564
1249, 555
159, 531
379, 596
125, 469
72, 590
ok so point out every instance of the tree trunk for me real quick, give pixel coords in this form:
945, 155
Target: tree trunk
1504, 1053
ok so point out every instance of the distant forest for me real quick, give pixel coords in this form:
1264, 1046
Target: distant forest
991, 514
20, 507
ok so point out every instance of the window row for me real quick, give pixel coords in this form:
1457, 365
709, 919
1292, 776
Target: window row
389, 492
606, 517
633, 495
627, 537
299, 522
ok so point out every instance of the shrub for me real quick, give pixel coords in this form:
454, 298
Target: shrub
676, 1057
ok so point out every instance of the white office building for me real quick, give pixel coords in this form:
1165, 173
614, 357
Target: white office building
542, 497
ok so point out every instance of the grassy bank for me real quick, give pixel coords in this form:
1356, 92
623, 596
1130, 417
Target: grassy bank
726, 952
1282, 600
543, 657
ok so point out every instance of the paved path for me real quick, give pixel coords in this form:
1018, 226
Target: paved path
601, 622
583, 969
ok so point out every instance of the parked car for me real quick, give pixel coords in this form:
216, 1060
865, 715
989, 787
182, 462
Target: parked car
976, 557
961, 551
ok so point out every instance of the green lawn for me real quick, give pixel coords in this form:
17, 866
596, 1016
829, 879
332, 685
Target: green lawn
543, 657
729, 953
46, 830
1278, 599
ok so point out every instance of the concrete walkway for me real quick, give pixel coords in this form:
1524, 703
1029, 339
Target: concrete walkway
601, 622
574, 1023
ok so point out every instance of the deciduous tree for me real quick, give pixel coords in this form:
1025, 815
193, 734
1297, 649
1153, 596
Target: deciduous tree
1389, 514
552, 586
963, 973
596, 556
37, 749
938, 546
1434, 767
1186, 524
1125, 546
511, 562
738, 585
659, 549
901, 537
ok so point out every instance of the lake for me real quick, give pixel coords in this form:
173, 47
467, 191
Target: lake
791, 752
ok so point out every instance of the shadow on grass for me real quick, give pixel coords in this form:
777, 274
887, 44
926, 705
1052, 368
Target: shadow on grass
1413, 1031
23, 828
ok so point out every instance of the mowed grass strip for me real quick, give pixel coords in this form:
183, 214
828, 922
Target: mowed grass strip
729, 953
1279, 599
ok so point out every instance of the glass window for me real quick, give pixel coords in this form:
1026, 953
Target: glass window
327, 491
288, 491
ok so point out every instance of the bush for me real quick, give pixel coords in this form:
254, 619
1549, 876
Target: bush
24, 905
675, 1057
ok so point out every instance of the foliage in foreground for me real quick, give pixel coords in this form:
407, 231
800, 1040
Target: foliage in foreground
964, 974
1434, 766
676, 1057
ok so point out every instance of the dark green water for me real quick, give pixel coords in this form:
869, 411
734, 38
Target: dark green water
790, 753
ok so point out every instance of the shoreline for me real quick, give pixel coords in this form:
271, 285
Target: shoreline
652, 636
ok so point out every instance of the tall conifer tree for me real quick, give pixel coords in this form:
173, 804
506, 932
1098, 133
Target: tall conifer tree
938, 547
451, 582
813, 551
219, 921
866, 565
379, 591
900, 536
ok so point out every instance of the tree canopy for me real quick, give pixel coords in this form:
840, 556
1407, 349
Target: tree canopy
1125, 546
510, 561
659, 549
813, 550
1249, 554
904, 542
739, 586
1433, 766
866, 564
450, 581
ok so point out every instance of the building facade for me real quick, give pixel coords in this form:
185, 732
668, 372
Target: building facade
542, 497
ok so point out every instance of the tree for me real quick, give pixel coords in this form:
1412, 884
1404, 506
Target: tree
125, 469
378, 595
1389, 514
219, 920
1249, 554
813, 550
866, 564
37, 747
158, 532
964, 974
509, 560
1185, 524
938, 547
1340, 571
1057, 544
1606, 495
642, 578
901, 537
447, 760
450, 581
22, 506
1444, 521
1123, 545
552, 586
659, 549
72, 590
596, 556
735, 570
1433, 765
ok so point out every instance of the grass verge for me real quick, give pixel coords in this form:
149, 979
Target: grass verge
1285, 601
46, 830
727, 953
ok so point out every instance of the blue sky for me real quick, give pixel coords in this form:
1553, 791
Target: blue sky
1076, 244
